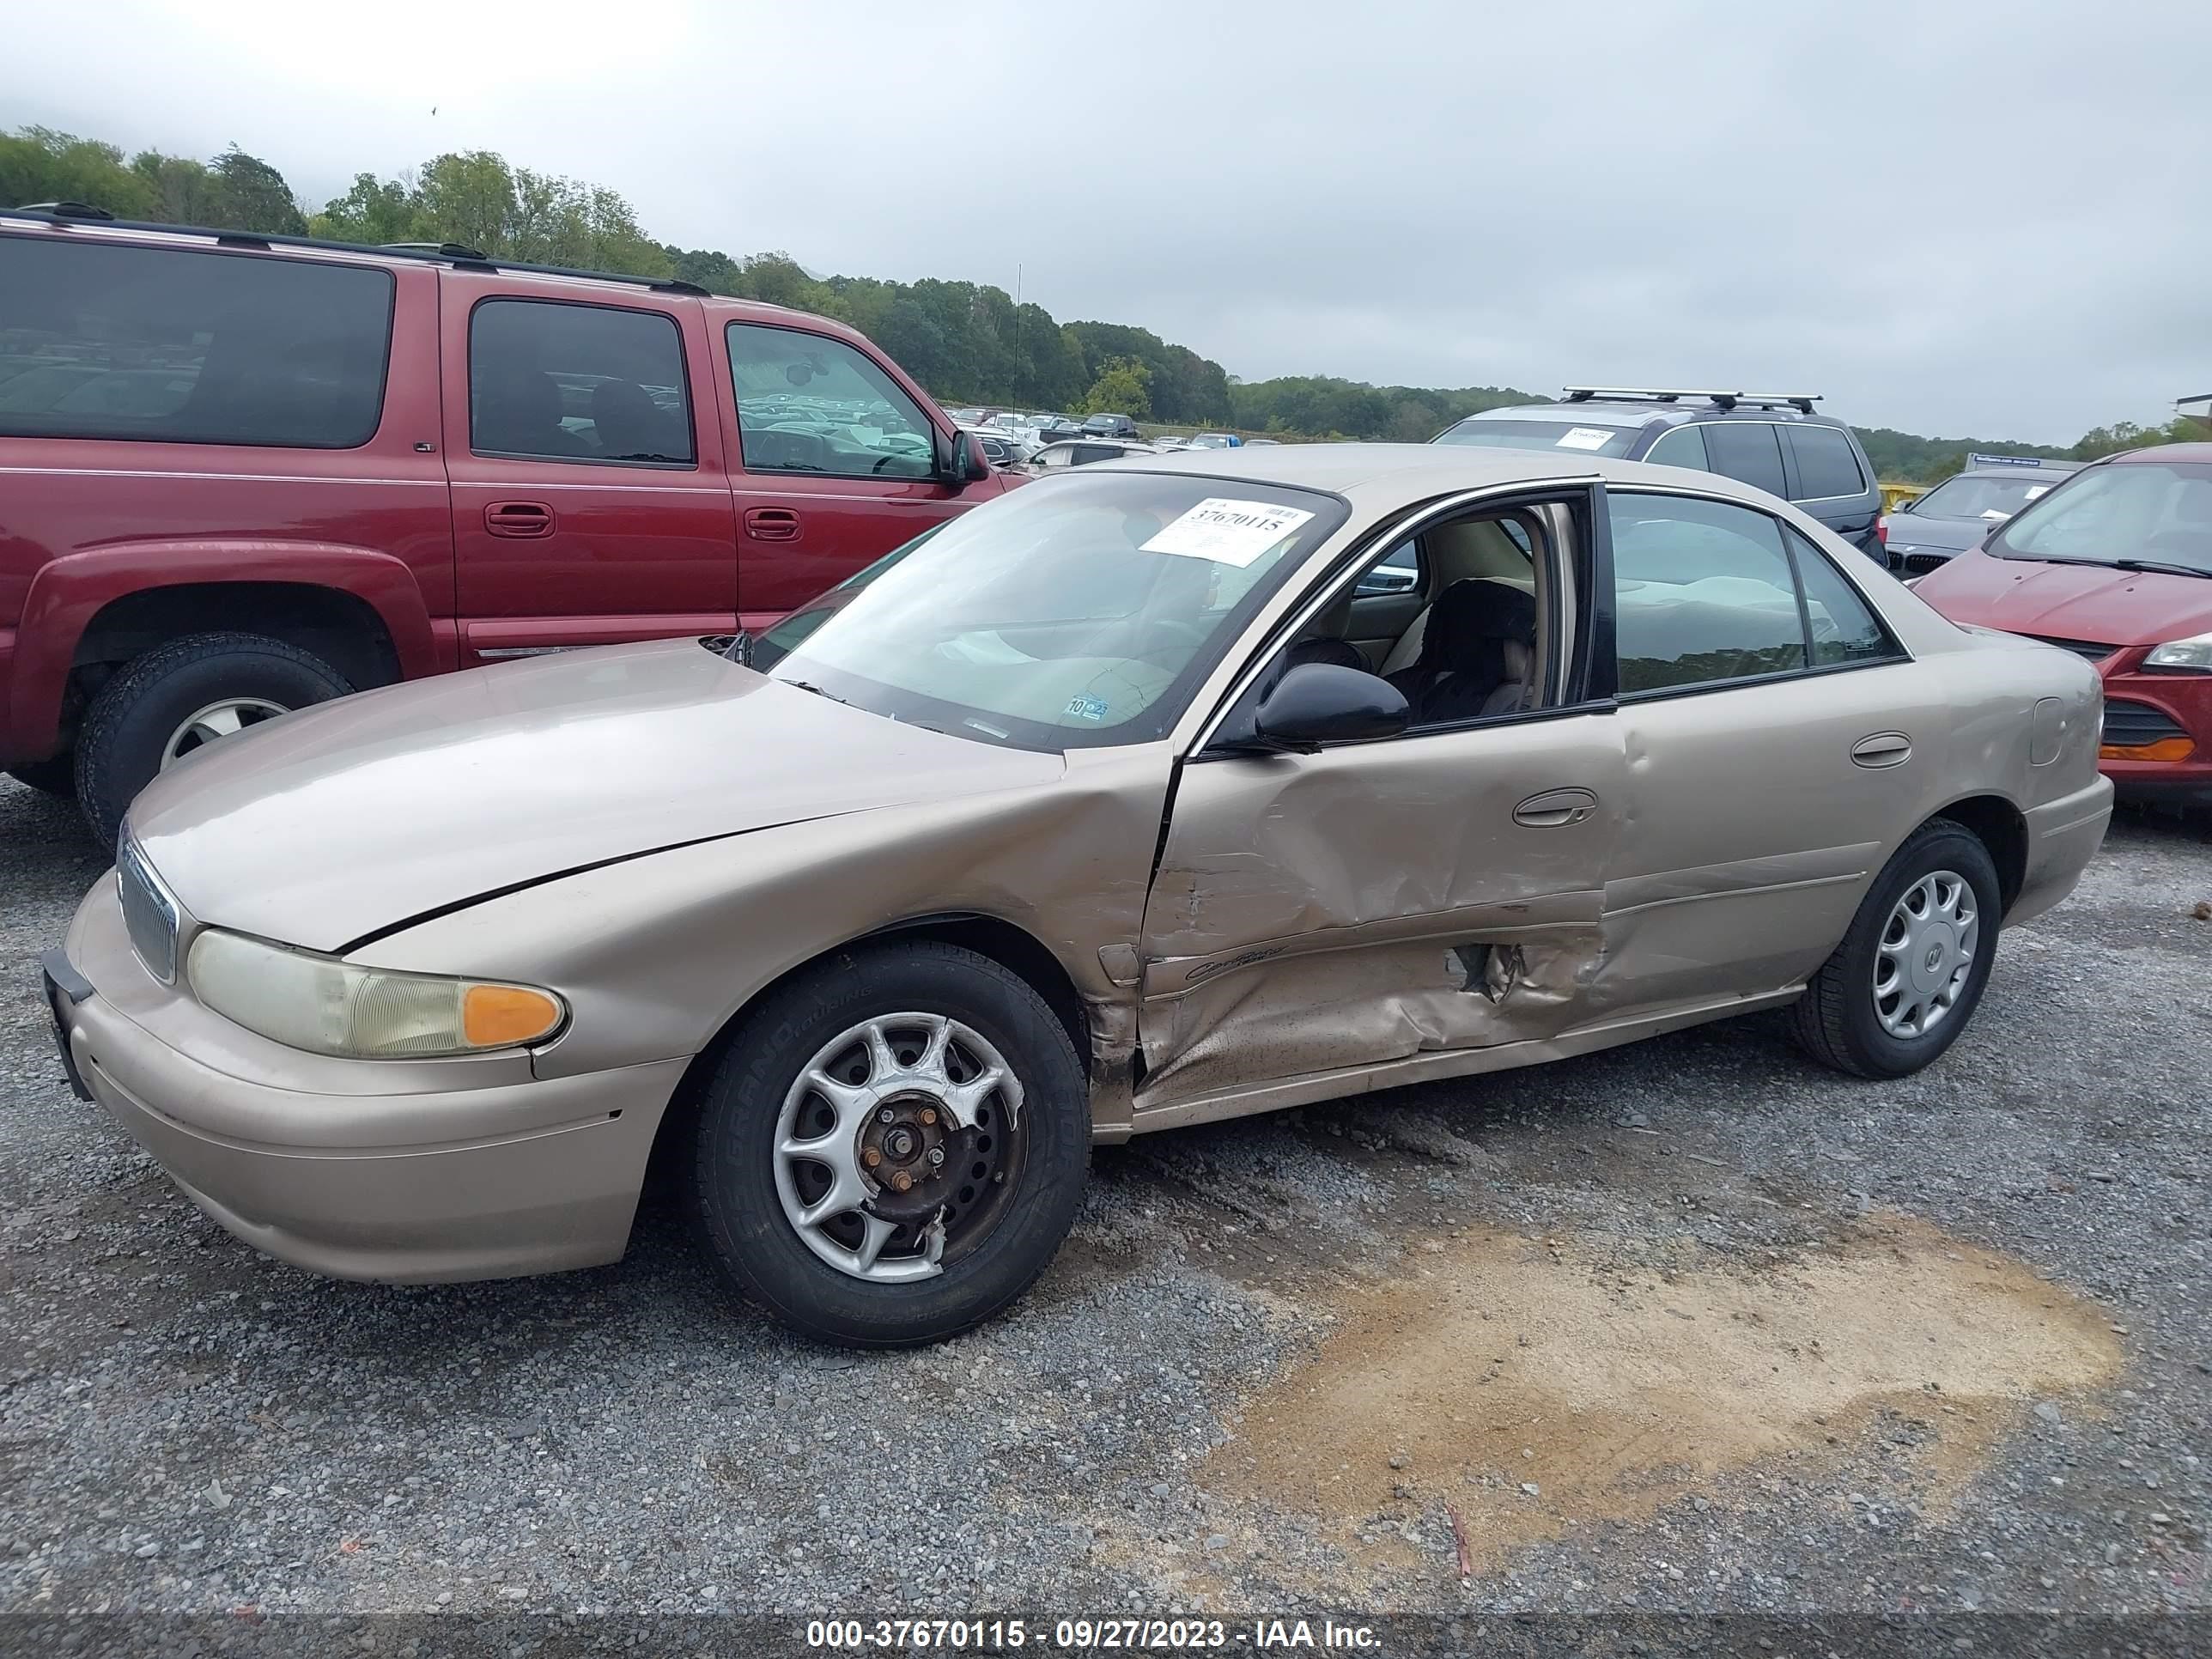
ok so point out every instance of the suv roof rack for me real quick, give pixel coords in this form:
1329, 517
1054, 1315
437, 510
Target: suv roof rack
63, 216
1803, 401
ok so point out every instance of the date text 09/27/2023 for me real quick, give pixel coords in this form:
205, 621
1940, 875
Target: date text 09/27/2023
1089, 1635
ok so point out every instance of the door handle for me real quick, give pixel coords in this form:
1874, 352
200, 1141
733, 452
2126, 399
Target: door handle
518, 518
772, 524
1883, 749
1554, 807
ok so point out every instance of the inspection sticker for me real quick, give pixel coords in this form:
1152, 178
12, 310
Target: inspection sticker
1084, 707
1583, 437
1228, 531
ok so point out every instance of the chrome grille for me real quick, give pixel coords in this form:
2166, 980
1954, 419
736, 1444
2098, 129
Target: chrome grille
149, 914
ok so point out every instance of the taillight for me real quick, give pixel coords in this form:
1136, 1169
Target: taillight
1882, 530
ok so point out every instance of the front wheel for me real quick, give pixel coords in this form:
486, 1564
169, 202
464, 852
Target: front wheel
894, 1146
177, 699
1900, 987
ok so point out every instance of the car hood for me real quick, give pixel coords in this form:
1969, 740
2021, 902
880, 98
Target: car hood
1909, 534
342, 820
2069, 601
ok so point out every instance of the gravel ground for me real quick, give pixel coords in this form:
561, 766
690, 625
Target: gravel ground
1691, 1325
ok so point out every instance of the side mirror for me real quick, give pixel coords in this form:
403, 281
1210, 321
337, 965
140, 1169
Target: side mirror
1319, 702
960, 460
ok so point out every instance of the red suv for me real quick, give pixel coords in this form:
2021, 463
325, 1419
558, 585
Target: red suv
2115, 564
242, 473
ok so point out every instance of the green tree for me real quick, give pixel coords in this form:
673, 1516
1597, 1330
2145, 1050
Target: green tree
38, 164
468, 196
246, 193
374, 210
1123, 387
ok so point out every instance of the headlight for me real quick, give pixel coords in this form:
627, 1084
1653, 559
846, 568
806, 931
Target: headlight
332, 1007
2193, 653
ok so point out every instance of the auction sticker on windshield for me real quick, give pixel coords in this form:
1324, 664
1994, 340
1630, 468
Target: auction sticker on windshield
1228, 531
1583, 437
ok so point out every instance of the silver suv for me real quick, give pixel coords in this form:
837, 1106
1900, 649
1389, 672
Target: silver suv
1770, 439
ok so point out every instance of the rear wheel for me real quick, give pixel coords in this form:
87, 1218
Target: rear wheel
178, 698
1900, 987
894, 1147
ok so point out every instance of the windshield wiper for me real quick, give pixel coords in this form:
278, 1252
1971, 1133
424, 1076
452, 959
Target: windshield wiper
2148, 566
808, 685
740, 648
2158, 566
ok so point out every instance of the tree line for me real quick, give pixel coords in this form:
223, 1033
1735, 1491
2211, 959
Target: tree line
969, 342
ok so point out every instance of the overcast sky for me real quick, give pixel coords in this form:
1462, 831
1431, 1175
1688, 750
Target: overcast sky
1963, 222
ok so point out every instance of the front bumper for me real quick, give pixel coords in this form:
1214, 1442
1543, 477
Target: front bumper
412, 1186
2160, 705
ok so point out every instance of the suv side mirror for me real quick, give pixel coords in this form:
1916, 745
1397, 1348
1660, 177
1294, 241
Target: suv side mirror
1319, 702
961, 460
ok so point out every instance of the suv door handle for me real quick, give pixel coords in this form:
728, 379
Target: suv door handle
1554, 807
772, 524
518, 518
1883, 749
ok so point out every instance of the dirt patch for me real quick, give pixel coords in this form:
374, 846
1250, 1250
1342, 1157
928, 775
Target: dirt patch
1501, 1363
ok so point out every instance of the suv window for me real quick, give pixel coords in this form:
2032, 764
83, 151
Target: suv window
176, 345
550, 380
1703, 593
809, 404
1827, 465
1748, 451
1684, 446
1842, 625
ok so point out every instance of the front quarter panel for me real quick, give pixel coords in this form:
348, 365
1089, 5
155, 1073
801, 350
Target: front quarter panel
656, 954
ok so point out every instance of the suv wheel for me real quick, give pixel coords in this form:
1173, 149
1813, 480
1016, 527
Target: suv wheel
894, 1146
1902, 985
178, 698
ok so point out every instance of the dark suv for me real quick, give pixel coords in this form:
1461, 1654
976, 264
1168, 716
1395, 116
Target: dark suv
1772, 439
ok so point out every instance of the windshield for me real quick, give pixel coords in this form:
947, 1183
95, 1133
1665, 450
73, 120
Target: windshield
1080, 611
1980, 498
2136, 510
1574, 434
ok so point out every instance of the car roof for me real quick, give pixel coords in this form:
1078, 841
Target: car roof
2199, 454
527, 278
1373, 476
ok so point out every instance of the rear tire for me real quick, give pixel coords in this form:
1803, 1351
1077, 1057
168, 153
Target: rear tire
993, 1236
137, 724
1844, 1021
57, 776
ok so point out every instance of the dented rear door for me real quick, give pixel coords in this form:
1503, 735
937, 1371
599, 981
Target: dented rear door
1376, 901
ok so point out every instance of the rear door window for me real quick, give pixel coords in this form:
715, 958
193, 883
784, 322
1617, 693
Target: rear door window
1704, 594
1827, 465
1841, 624
549, 380
1748, 451
178, 345
1683, 446
809, 404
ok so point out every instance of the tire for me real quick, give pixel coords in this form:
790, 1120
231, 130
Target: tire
57, 776
1838, 1021
993, 1251
128, 729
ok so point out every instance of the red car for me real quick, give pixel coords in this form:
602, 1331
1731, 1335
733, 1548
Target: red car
242, 473
2115, 565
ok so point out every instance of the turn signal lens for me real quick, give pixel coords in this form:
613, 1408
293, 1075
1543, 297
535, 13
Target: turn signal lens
2166, 749
501, 1015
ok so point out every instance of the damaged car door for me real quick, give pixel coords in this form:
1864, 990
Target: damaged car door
1357, 915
